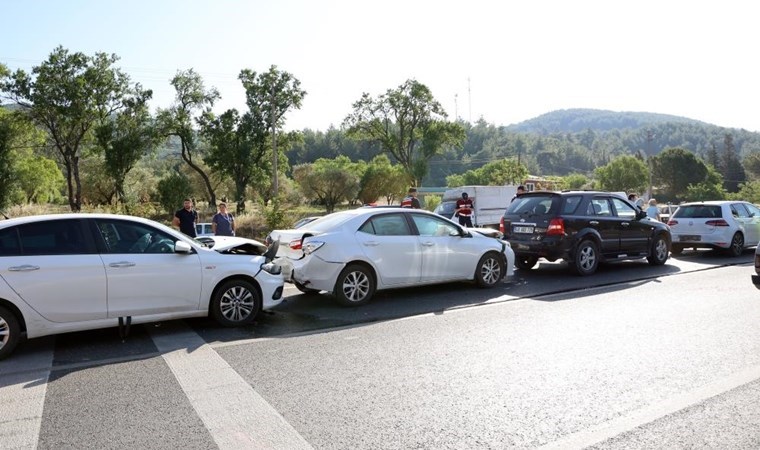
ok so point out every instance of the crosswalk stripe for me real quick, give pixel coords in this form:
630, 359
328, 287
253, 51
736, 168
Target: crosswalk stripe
235, 415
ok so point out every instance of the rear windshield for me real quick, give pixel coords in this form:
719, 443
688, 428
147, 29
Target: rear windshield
698, 211
533, 204
328, 222
446, 208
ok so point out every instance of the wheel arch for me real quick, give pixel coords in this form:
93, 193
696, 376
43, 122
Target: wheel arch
17, 312
219, 284
363, 263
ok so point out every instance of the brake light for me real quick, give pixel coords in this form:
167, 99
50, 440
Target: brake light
501, 226
717, 223
556, 227
672, 222
295, 244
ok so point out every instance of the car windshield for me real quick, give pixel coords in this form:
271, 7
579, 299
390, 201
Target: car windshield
698, 211
446, 208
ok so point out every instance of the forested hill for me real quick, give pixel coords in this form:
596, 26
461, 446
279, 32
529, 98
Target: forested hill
579, 119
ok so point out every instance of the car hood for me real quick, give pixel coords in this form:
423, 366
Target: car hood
233, 244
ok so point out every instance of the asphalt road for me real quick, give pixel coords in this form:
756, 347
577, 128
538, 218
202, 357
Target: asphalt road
632, 357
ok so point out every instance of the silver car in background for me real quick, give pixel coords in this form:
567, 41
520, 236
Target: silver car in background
725, 225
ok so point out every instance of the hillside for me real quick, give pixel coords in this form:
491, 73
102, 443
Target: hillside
577, 120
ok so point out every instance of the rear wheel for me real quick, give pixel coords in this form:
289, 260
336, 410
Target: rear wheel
676, 249
525, 262
490, 270
235, 303
10, 332
586, 258
659, 252
355, 285
737, 245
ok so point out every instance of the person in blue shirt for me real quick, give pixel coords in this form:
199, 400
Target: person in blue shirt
223, 223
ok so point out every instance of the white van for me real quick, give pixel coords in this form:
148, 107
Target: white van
489, 203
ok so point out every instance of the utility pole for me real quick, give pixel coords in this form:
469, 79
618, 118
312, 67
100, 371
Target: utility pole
650, 138
456, 108
469, 101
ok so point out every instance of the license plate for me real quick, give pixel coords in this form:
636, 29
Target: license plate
690, 238
522, 229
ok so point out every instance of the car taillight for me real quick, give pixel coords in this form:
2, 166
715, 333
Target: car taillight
717, 223
556, 227
296, 244
501, 226
672, 222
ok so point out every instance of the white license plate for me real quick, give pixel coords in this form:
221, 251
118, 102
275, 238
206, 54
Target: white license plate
522, 229
689, 238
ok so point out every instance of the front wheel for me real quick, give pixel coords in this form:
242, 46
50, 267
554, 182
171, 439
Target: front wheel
659, 253
355, 285
10, 332
235, 303
586, 258
525, 262
737, 245
490, 270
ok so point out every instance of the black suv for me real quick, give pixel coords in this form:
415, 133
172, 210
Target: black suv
583, 228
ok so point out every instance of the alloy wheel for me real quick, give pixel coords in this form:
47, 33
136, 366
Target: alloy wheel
490, 271
237, 303
356, 286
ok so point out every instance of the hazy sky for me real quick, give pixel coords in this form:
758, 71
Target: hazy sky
505, 61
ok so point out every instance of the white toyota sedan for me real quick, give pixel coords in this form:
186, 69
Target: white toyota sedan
72, 272
352, 254
727, 225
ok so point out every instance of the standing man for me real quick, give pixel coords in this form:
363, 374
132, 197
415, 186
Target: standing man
185, 218
465, 208
223, 223
410, 201
520, 191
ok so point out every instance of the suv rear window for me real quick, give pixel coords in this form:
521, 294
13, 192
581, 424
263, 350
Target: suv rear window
533, 204
698, 211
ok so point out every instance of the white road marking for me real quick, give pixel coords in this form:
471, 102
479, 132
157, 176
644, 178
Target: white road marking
236, 416
635, 419
23, 385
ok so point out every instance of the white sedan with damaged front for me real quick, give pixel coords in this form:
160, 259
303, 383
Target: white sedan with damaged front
352, 254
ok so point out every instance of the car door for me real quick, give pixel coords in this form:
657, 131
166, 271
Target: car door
446, 255
754, 223
387, 241
603, 220
741, 216
634, 232
54, 267
145, 275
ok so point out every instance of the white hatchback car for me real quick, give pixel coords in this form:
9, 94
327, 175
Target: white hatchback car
727, 225
354, 253
72, 272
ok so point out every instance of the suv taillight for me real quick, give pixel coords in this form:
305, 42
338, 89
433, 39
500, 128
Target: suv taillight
501, 225
717, 223
556, 227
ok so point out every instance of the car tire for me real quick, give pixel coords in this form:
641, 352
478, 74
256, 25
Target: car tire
490, 270
737, 245
525, 262
235, 302
304, 289
586, 259
10, 332
659, 251
355, 285
676, 249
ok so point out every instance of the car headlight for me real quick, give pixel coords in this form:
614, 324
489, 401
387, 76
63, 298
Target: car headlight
312, 246
272, 268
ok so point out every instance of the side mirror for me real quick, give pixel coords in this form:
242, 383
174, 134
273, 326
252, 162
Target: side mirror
182, 247
641, 214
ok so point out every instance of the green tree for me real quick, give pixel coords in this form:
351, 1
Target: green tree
623, 173
172, 190
270, 95
733, 171
749, 191
408, 123
383, 179
575, 181
326, 181
192, 98
709, 189
6, 166
67, 95
126, 138
496, 173
675, 169
752, 164
37, 177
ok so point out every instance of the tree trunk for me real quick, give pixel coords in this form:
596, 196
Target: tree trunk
186, 157
77, 205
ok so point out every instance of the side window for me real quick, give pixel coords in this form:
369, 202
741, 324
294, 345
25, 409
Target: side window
754, 211
390, 225
571, 204
52, 237
432, 226
128, 237
9, 245
599, 206
367, 228
624, 210
738, 210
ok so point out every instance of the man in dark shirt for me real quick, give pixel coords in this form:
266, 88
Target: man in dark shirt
185, 218
411, 201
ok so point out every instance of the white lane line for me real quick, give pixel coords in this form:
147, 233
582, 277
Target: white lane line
236, 416
23, 397
612, 428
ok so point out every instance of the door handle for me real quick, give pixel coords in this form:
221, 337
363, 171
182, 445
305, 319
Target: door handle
122, 264
428, 244
371, 244
593, 222
24, 268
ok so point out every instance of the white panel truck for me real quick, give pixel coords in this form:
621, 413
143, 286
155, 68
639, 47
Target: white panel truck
489, 203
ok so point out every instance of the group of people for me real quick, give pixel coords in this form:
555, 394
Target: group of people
652, 210
222, 224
